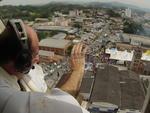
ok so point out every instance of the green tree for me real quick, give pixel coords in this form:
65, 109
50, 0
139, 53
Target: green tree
77, 25
112, 13
132, 27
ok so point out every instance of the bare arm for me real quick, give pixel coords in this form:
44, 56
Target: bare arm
72, 84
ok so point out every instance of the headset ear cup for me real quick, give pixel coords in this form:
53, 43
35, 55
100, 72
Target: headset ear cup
23, 61
23, 56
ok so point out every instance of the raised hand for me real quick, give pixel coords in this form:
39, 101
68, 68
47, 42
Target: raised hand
78, 57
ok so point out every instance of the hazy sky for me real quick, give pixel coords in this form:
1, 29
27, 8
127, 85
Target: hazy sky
141, 3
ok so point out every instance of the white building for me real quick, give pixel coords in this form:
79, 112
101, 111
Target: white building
74, 13
147, 16
61, 21
2, 26
128, 13
146, 56
120, 55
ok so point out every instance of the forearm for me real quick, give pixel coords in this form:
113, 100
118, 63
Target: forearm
73, 83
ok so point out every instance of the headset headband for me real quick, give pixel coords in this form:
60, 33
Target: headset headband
19, 28
24, 59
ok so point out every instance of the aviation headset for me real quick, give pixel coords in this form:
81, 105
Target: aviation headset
23, 61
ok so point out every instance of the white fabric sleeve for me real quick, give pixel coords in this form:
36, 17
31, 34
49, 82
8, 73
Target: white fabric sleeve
13, 101
34, 80
84, 110
44, 104
65, 97
28, 102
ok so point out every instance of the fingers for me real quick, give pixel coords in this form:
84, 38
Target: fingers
73, 50
78, 48
76, 51
78, 56
74, 55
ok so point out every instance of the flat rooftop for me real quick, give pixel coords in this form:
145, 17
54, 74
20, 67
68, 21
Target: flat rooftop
143, 39
56, 28
121, 88
59, 36
86, 85
54, 43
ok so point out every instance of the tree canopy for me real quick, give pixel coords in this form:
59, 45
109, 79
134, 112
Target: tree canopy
32, 12
132, 27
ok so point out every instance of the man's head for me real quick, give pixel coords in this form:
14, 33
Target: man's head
34, 42
18, 55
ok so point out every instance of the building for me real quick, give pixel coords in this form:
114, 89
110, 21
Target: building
146, 56
74, 13
100, 107
59, 36
147, 16
57, 46
39, 20
54, 72
2, 26
45, 55
113, 89
128, 13
61, 21
120, 55
137, 64
146, 68
87, 84
137, 40
68, 30
49, 57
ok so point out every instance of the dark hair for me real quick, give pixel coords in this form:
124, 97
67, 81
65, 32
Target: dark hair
10, 46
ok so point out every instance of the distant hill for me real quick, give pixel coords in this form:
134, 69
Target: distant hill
117, 5
104, 5
30, 12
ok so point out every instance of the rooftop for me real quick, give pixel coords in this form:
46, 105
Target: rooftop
54, 43
86, 85
120, 55
143, 39
106, 86
121, 88
59, 36
46, 53
146, 56
56, 28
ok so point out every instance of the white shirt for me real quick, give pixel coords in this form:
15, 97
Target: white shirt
15, 101
34, 80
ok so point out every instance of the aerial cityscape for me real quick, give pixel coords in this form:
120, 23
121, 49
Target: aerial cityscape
117, 62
